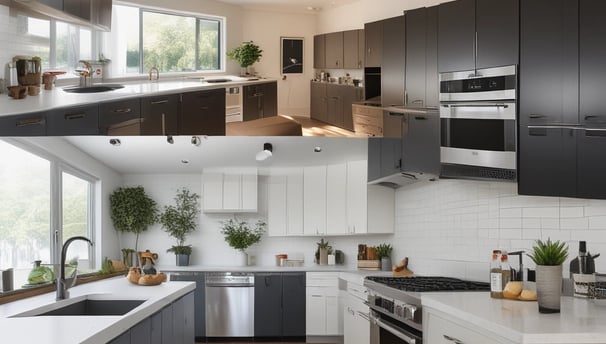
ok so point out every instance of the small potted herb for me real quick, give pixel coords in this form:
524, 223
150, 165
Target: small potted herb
384, 255
549, 257
240, 235
246, 54
179, 220
132, 211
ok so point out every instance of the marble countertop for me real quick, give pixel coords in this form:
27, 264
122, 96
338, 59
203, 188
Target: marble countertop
580, 320
85, 329
58, 98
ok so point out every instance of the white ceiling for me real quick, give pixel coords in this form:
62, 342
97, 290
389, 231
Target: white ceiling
152, 154
289, 5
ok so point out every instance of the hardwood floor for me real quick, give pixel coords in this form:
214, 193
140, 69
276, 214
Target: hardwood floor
312, 127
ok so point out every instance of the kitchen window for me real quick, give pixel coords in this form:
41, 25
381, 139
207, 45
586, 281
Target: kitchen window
143, 38
43, 201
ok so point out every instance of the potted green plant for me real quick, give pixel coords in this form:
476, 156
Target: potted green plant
246, 54
179, 220
549, 257
132, 211
240, 235
384, 255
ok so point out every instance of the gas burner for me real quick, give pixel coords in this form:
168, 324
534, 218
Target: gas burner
429, 283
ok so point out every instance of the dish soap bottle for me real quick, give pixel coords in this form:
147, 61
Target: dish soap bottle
496, 278
505, 270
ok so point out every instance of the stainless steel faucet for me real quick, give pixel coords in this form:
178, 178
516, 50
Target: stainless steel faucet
154, 69
86, 75
62, 283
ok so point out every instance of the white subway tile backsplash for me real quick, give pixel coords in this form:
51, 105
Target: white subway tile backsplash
451, 227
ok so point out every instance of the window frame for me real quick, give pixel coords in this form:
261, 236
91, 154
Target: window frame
57, 167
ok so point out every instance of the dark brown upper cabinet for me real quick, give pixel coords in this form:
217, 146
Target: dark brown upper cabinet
475, 34
373, 44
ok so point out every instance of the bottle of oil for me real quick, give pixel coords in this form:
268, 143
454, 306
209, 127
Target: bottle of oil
496, 277
505, 270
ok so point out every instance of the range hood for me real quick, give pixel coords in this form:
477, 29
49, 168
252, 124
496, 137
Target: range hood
400, 179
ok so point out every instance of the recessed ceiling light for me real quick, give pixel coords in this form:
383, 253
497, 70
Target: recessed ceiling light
313, 8
184, 161
317, 149
115, 142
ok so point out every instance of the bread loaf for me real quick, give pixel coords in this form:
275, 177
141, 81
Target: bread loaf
528, 295
512, 290
133, 275
152, 279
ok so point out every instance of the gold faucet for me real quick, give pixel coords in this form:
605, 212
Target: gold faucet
154, 69
85, 74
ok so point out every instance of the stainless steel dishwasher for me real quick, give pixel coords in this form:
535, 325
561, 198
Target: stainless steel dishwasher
230, 304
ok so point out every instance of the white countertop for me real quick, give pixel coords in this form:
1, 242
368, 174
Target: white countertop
58, 98
579, 321
86, 329
256, 268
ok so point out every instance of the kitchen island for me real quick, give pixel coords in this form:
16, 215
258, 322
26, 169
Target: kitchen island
17, 326
473, 317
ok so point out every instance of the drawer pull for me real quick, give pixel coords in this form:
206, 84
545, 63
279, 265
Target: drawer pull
124, 110
453, 339
258, 95
158, 102
535, 116
204, 108
69, 117
30, 121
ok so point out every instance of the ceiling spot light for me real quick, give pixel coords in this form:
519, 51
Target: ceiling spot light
195, 141
317, 149
170, 139
184, 161
115, 142
266, 153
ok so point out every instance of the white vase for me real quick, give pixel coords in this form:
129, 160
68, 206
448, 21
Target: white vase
549, 288
242, 258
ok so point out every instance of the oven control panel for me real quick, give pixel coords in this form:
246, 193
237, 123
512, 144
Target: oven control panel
395, 308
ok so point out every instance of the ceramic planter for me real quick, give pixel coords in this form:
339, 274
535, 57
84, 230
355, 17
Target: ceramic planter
549, 288
182, 259
385, 264
242, 258
323, 256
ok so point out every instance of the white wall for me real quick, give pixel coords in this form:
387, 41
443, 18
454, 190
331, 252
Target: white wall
265, 29
109, 180
450, 227
210, 248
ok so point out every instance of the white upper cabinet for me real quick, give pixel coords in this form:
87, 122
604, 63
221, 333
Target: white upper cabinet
285, 203
336, 199
314, 200
230, 192
357, 172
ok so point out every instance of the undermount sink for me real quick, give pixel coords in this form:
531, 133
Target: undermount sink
93, 89
215, 81
87, 307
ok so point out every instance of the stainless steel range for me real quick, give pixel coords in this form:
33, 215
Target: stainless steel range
395, 304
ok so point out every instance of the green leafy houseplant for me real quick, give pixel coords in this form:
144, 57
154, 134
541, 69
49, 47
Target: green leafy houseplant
180, 219
246, 54
132, 210
384, 250
240, 235
549, 252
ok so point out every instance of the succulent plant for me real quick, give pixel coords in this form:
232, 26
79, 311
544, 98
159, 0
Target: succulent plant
549, 252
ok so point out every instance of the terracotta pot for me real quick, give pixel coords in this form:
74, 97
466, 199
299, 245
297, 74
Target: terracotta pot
549, 288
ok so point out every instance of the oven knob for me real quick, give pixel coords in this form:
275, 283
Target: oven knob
400, 311
409, 311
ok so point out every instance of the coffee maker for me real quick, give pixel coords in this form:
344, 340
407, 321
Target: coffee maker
29, 70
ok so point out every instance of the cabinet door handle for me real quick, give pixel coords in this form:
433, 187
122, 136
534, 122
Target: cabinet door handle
30, 121
204, 108
163, 124
258, 95
595, 132
535, 116
124, 110
420, 118
589, 117
71, 116
453, 339
157, 102
364, 315
316, 295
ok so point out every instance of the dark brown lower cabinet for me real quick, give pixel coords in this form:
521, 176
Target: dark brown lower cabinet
260, 101
202, 113
23, 125
120, 117
79, 120
331, 103
160, 115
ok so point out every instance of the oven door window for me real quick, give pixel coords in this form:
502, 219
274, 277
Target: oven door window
478, 134
386, 330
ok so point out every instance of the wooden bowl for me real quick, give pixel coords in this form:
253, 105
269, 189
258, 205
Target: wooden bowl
17, 92
33, 90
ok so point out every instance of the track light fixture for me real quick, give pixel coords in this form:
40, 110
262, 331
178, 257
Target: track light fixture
115, 142
170, 139
266, 153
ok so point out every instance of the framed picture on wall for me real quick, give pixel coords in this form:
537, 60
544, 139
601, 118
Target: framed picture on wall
292, 55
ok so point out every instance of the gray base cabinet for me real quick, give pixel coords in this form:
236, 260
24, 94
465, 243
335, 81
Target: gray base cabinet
280, 305
23, 125
331, 103
199, 299
80, 120
172, 325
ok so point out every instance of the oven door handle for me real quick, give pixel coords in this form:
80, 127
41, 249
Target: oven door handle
498, 105
393, 330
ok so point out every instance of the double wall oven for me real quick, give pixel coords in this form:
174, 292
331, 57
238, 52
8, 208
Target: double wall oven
478, 123
396, 315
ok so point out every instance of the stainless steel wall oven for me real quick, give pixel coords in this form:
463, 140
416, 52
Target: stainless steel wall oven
478, 112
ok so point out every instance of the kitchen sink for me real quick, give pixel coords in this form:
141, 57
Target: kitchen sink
93, 89
216, 81
87, 307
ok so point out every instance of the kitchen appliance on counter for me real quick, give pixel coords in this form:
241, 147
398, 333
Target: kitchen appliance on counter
478, 123
29, 70
230, 304
396, 315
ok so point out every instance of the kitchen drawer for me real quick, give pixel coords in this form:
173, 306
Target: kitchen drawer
81, 120
23, 125
442, 331
120, 117
368, 120
322, 279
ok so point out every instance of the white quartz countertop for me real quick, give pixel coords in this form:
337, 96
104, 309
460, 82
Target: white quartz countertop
257, 268
86, 329
580, 320
58, 98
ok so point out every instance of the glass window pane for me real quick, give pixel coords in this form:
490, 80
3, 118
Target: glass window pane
38, 39
86, 45
122, 43
169, 42
76, 218
208, 44
24, 210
